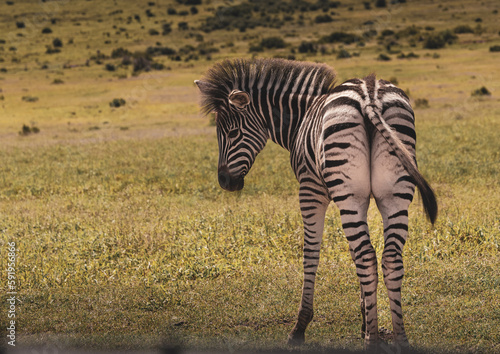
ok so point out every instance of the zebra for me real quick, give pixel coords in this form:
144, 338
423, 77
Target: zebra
347, 143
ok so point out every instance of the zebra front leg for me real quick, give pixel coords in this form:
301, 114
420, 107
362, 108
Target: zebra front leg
313, 214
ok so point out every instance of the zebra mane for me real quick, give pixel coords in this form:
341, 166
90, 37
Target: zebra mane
250, 75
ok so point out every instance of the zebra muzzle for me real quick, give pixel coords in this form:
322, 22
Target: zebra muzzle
229, 182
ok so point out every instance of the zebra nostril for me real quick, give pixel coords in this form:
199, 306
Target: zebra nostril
223, 179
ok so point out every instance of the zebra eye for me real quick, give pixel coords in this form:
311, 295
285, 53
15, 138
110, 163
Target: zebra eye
233, 134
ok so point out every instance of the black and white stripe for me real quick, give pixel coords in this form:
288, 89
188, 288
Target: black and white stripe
346, 143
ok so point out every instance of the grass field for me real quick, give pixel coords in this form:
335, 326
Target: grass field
124, 238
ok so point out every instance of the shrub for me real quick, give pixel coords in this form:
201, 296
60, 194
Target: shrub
153, 32
255, 48
29, 99
408, 56
27, 130
154, 51
117, 102
307, 47
273, 42
57, 43
57, 82
110, 67
323, 19
166, 28
437, 41
193, 10
341, 37
383, 57
343, 54
394, 80
448, 36
183, 26
408, 31
189, 2
463, 29
171, 11
483, 91
120, 53
495, 48
421, 103
434, 42
380, 3
46, 30
52, 50
387, 32
149, 13
20, 24
142, 62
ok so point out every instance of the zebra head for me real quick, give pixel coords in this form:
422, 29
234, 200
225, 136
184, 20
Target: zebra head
240, 136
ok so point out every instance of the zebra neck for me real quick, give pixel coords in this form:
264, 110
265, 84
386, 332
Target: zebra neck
286, 117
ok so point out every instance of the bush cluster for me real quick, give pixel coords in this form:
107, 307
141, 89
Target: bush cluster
117, 102
483, 91
27, 130
263, 13
439, 40
341, 37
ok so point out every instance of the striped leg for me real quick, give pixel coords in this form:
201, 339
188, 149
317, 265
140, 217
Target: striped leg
347, 176
352, 197
393, 190
313, 205
353, 216
395, 233
394, 210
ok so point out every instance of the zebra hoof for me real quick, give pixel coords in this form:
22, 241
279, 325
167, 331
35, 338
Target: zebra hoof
401, 344
296, 337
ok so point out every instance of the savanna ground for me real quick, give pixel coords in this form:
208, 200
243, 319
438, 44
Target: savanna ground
125, 240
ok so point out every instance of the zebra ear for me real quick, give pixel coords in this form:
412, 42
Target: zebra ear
239, 99
202, 85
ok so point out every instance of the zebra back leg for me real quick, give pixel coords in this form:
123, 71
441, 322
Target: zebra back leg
393, 191
313, 205
346, 173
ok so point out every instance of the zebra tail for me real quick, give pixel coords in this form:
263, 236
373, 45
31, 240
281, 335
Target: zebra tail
428, 196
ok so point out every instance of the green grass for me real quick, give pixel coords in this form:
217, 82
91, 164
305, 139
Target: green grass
126, 240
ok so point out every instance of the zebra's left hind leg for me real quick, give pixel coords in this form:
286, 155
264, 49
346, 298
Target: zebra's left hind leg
313, 208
